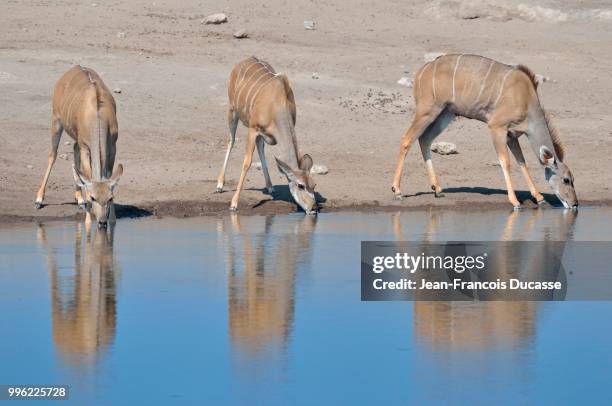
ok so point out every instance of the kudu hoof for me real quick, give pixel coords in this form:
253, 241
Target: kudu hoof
517, 208
399, 197
82, 205
219, 189
436, 193
38, 205
542, 203
233, 209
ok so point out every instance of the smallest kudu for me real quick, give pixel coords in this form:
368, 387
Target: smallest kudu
84, 108
263, 101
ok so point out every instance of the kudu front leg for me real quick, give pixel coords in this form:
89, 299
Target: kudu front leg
232, 121
499, 141
246, 164
78, 193
56, 133
419, 125
264, 164
515, 148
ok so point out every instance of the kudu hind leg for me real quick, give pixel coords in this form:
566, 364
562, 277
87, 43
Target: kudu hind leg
419, 125
515, 148
56, 133
264, 164
232, 120
425, 141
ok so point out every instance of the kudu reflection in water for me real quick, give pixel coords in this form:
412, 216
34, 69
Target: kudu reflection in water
464, 325
262, 268
83, 301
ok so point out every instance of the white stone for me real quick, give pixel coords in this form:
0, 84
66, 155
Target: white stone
319, 169
309, 25
541, 78
241, 34
218, 18
405, 81
444, 148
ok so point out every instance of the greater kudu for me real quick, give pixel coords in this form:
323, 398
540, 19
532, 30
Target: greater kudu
505, 97
263, 101
84, 108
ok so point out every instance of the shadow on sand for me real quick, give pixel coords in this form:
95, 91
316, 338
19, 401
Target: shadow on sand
282, 193
521, 195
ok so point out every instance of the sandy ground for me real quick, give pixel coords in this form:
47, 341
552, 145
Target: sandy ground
173, 73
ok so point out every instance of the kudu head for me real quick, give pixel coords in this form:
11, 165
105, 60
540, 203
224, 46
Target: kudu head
559, 177
301, 184
100, 193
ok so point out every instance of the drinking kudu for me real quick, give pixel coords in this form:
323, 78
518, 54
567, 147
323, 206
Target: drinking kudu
506, 99
263, 101
84, 108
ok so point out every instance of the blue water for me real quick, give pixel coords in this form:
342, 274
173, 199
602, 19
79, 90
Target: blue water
267, 310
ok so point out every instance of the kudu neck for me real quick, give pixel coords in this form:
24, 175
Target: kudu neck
285, 137
538, 132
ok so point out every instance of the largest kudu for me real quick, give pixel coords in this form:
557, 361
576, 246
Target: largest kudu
263, 101
506, 99
84, 108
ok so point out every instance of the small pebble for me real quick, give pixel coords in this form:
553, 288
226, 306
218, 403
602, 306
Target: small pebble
241, 34
29, 166
117, 90
309, 25
444, 148
218, 18
121, 34
405, 81
319, 169
315, 75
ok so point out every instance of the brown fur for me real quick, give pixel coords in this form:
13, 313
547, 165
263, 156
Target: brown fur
529, 73
263, 101
502, 96
84, 108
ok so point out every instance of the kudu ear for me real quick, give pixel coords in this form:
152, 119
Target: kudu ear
306, 163
116, 175
547, 158
79, 178
285, 170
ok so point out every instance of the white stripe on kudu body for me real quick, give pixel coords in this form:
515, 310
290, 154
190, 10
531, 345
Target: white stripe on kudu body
455, 74
507, 101
263, 101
